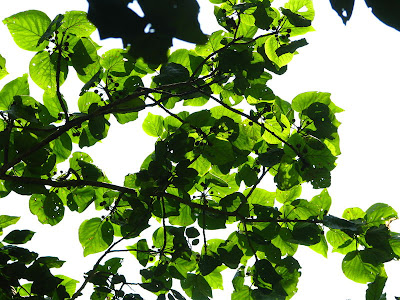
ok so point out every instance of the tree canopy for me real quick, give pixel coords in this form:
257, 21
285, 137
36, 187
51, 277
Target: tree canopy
207, 165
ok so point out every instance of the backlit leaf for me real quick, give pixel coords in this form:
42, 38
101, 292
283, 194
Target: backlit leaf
95, 235
153, 125
43, 70
357, 270
27, 28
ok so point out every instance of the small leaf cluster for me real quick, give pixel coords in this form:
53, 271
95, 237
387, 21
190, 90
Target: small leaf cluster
17, 263
208, 166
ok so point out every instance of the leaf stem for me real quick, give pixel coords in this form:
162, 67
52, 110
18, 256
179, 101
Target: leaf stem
163, 224
58, 71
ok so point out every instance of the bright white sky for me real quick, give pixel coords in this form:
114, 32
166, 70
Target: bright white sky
358, 64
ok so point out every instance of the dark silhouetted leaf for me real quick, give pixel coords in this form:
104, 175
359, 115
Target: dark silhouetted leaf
18, 237
344, 8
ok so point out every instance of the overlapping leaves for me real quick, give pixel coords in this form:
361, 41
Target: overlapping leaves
208, 164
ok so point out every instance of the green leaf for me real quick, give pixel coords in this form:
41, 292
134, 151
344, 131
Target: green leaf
288, 195
353, 213
52, 103
262, 17
62, 147
76, 22
394, 243
192, 232
340, 241
305, 234
218, 151
196, 287
80, 199
230, 254
50, 262
69, 283
242, 294
53, 26
95, 235
18, 86
4, 191
379, 213
260, 197
296, 19
287, 176
18, 237
3, 71
271, 45
248, 175
303, 8
186, 216
26, 188
238, 279
140, 251
49, 209
378, 238
375, 289
208, 263
342, 224
357, 270
115, 61
277, 130
215, 279
43, 70
6, 221
158, 239
265, 274
271, 157
27, 28
172, 73
86, 100
93, 81
302, 101
291, 47
200, 118
281, 242
83, 57
321, 247
53, 208
153, 125
322, 201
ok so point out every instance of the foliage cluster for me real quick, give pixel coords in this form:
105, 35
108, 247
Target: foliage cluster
206, 168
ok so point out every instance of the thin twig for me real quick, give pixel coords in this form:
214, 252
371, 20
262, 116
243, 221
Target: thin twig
265, 171
250, 118
204, 224
96, 265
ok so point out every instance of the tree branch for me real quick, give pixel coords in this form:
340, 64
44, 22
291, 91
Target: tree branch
89, 277
67, 183
265, 171
234, 213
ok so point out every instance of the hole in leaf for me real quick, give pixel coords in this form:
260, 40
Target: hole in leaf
149, 29
136, 8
